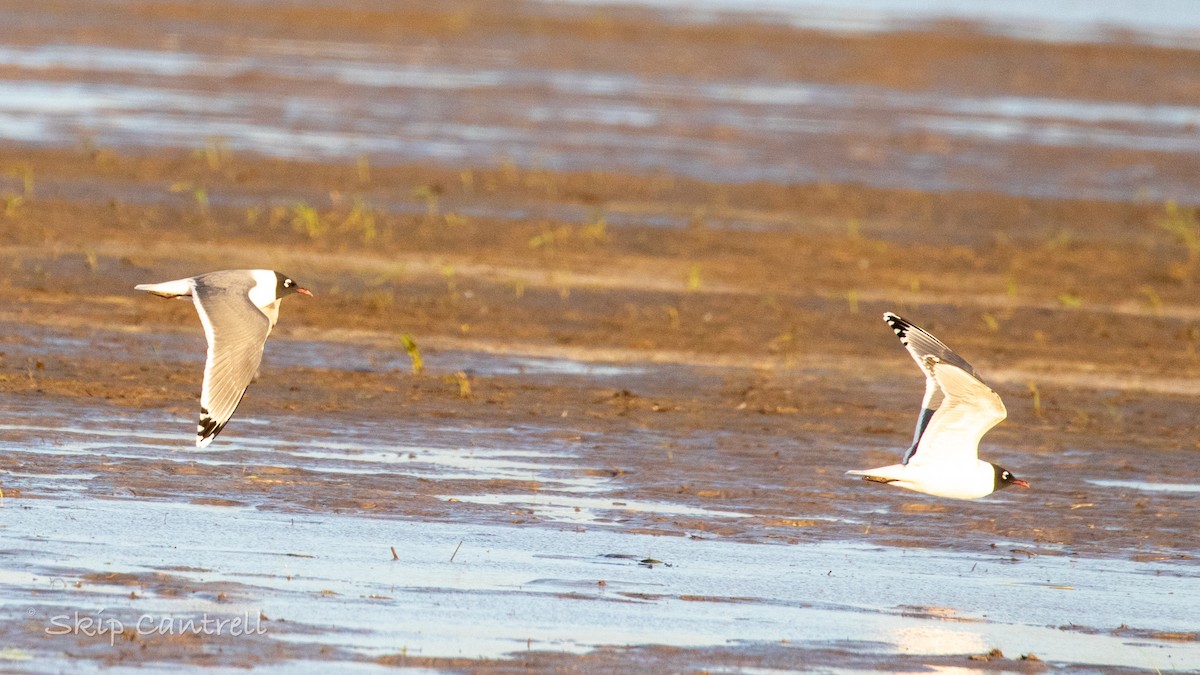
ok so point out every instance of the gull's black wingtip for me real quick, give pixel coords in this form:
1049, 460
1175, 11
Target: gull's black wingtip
898, 324
207, 429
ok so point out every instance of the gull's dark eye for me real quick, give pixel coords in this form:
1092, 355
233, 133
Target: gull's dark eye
1006, 475
288, 283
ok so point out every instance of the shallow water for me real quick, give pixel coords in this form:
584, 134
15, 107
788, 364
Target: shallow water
1160, 22
354, 512
401, 104
333, 580
1147, 485
574, 577
589, 128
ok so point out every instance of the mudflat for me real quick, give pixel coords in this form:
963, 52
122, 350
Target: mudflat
582, 413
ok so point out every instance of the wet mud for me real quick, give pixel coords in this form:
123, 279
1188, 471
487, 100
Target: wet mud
648, 325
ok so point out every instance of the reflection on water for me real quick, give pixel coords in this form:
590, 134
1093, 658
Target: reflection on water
938, 640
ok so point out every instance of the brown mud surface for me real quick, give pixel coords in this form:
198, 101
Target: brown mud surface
730, 363
787, 358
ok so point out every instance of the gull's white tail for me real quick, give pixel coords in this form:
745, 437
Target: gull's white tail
168, 289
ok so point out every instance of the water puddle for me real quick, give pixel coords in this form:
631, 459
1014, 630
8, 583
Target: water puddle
495, 364
1166, 23
451, 464
372, 587
577, 509
372, 455
1147, 486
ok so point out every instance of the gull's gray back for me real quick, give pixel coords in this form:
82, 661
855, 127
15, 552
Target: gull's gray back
238, 281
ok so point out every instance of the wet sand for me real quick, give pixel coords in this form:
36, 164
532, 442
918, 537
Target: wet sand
644, 378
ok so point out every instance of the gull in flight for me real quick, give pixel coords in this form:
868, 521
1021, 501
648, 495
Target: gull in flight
238, 309
957, 411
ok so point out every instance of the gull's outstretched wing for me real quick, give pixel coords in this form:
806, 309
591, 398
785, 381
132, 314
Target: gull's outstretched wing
236, 332
969, 408
920, 344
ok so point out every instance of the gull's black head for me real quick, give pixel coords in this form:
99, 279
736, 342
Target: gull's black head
285, 286
1004, 478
